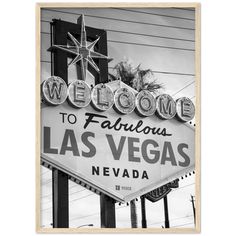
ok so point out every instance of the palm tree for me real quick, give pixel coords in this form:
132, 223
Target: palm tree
135, 77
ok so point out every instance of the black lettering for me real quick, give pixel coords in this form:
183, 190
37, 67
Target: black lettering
135, 174
92, 149
106, 124
116, 152
127, 127
90, 118
95, 170
47, 141
131, 127
125, 173
164, 133
105, 171
146, 130
132, 149
139, 124
153, 152
70, 120
168, 148
116, 171
115, 126
186, 163
63, 116
144, 176
69, 136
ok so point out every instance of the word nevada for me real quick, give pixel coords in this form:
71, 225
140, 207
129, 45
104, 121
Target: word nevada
55, 91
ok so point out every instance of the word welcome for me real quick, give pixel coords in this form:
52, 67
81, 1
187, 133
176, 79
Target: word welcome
123, 100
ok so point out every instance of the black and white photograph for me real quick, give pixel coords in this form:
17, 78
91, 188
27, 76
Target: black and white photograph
118, 118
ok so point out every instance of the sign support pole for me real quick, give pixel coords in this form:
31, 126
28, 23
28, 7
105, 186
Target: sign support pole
133, 214
167, 223
194, 214
60, 199
143, 212
107, 211
59, 179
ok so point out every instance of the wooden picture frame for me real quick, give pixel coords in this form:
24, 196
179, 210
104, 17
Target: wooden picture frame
41, 75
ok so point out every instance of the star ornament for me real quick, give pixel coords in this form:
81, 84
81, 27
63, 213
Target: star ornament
83, 53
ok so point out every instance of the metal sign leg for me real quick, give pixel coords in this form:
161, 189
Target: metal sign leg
60, 199
143, 212
108, 215
167, 223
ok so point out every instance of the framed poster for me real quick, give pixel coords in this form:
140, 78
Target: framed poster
118, 118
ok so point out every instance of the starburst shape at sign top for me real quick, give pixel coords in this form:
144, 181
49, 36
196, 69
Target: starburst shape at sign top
83, 52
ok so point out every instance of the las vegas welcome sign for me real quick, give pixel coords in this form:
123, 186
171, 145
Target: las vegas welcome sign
114, 139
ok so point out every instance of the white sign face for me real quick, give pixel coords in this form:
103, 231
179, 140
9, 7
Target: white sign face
123, 156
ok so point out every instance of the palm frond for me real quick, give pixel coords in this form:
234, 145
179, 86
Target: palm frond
111, 77
136, 77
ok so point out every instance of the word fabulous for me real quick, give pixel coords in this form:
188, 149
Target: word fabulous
55, 92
